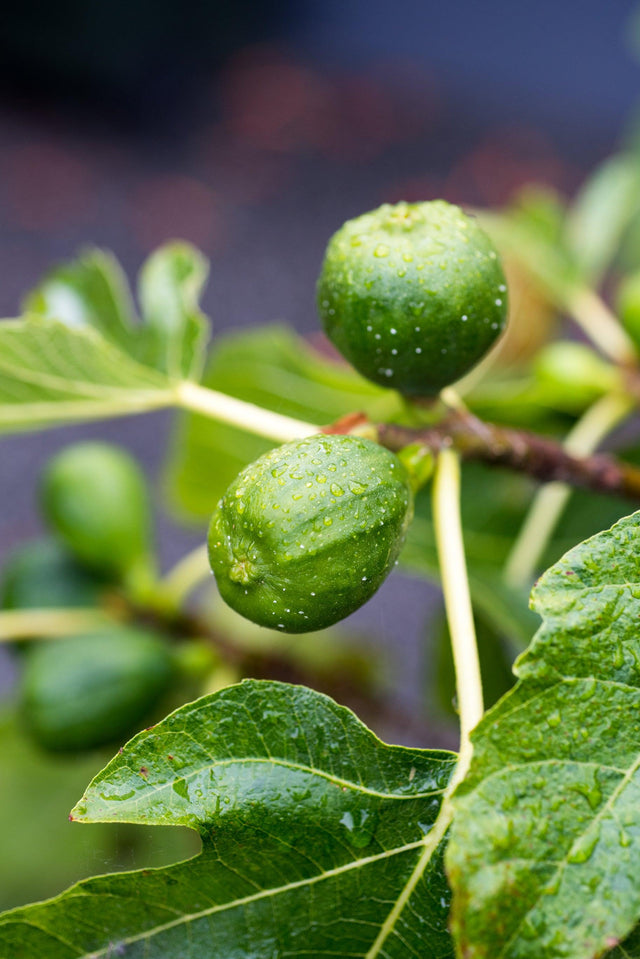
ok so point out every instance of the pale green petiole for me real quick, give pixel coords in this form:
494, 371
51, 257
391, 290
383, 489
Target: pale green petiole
457, 598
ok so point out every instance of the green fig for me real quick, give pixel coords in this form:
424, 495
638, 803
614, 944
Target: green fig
413, 295
88, 690
94, 496
307, 533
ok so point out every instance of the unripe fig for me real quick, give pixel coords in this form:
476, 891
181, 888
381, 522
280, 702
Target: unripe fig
307, 533
94, 497
413, 295
42, 574
89, 690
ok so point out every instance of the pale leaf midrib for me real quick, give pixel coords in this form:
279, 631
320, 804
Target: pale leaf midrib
151, 791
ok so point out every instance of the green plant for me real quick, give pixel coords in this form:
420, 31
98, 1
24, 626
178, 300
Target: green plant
317, 838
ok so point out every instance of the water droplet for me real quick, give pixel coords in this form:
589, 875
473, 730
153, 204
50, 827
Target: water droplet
181, 789
554, 719
584, 847
381, 250
360, 825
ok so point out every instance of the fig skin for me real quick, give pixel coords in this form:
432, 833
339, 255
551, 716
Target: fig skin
413, 295
307, 533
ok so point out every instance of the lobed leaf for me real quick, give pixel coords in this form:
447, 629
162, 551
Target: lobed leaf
90, 291
317, 839
546, 836
81, 354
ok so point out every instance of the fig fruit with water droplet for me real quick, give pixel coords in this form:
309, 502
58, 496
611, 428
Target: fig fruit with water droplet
413, 295
307, 533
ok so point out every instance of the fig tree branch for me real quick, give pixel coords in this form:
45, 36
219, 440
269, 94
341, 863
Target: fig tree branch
542, 458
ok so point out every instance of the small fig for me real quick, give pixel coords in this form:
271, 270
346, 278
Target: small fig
576, 370
42, 574
413, 295
88, 690
307, 533
94, 496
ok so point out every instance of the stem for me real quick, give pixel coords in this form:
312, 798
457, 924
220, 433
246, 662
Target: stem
602, 326
457, 599
188, 573
49, 623
236, 412
452, 399
550, 501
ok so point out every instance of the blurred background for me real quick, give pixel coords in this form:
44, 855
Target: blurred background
254, 130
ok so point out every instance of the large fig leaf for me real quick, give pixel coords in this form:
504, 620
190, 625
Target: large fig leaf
544, 850
317, 840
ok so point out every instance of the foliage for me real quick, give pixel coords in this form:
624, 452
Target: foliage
316, 837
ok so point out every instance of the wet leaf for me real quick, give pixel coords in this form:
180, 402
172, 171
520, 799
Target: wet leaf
317, 839
547, 819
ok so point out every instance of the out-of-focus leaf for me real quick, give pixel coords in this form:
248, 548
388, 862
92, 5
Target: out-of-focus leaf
531, 230
90, 291
548, 818
601, 213
171, 282
51, 373
318, 839
276, 369
80, 355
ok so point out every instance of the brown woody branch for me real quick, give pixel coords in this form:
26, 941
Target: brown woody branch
539, 457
